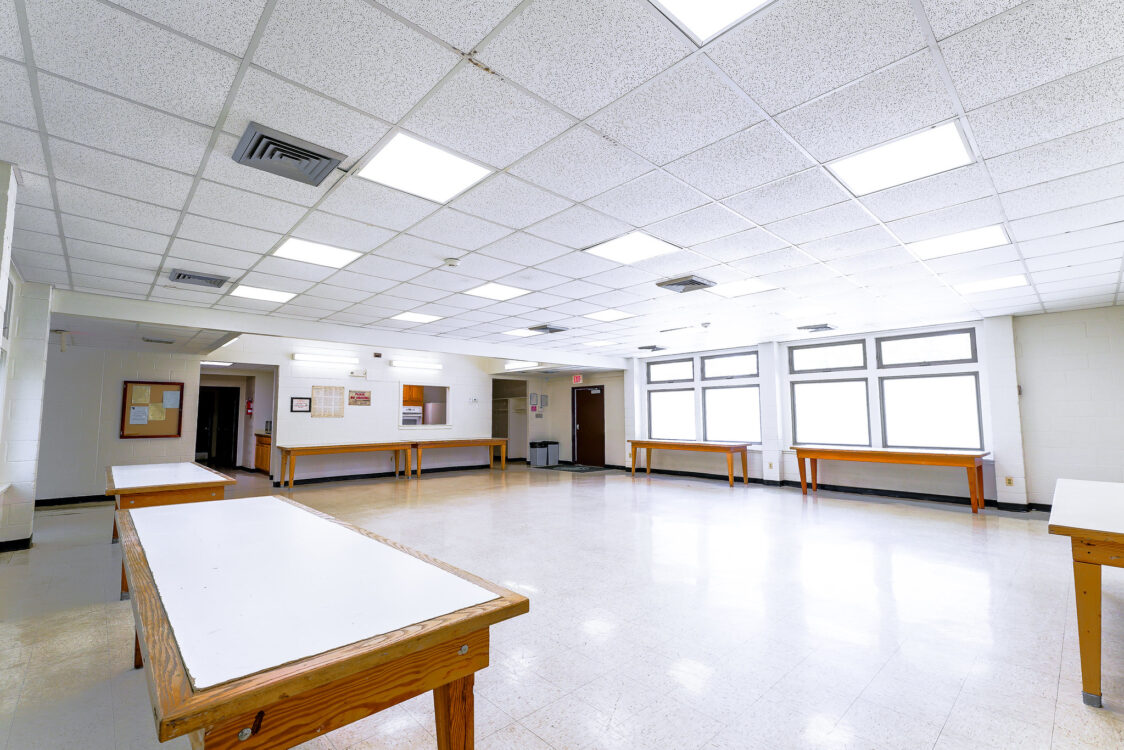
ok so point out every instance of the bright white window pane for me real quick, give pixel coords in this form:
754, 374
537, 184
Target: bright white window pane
663, 372
732, 366
672, 414
949, 347
833, 413
827, 357
932, 412
733, 414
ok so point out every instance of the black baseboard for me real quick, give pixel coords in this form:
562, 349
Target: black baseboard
50, 501
248, 470
379, 475
13, 545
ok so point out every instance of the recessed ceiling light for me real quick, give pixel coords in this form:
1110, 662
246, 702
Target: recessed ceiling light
960, 242
741, 288
254, 292
515, 364
704, 20
500, 292
522, 332
992, 285
410, 165
314, 252
413, 317
632, 248
608, 316
212, 363
910, 158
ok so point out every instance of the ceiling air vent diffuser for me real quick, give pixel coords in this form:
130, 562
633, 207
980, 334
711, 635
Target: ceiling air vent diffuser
816, 327
653, 348
548, 329
685, 284
198, 279
149, 340
288, 156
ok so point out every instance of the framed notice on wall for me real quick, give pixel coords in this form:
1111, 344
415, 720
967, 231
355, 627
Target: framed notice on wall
151, 409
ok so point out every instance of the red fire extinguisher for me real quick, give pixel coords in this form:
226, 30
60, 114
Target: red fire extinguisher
249, 407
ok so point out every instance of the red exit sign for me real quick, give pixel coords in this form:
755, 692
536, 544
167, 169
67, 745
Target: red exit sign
577, 379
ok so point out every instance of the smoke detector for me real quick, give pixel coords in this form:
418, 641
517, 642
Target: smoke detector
685, 284
285, 155
452, 262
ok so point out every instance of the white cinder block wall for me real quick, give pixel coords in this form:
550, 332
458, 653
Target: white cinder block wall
1071, 369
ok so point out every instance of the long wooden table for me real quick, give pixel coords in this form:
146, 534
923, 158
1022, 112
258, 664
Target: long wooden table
490, 443
265, 624
730, 449
289, 455
144, 485
972, 461
1091, 514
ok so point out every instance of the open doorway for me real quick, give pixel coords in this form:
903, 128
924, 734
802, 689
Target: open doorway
509, 416
588, 425
216, 435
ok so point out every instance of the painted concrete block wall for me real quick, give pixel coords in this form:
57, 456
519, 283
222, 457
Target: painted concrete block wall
23, 406
557, 421
1071, 369
82, 416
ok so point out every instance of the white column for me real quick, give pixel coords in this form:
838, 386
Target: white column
1001, 408
770, 364
634, 415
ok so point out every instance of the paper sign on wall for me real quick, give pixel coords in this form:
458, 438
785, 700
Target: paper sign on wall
171, 399
358, 398
156, 413
142, 394
138, 414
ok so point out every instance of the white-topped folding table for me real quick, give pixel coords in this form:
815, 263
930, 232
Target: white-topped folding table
1092, 515
264, 623
143, 485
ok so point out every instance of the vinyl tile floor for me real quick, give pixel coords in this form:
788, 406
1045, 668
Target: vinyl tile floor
666, 612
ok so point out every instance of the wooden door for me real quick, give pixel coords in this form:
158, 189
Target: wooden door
589, 425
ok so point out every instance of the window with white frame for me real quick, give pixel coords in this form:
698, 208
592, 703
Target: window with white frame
932, 411
671, 414
732, 414
725, 366
674, 371
831, 412
845, 355
938, 348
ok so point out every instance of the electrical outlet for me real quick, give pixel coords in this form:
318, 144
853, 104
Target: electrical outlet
1009, 481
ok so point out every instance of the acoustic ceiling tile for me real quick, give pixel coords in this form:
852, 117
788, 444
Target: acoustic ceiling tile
950, 16
510, 201
958, 218
485, 267
452, 227
113, 174
929, 193
35, 191
35, 219
850, 243
579, 227
386, 268
740, 245
699, 225
241, 207
580, 164
824, 222
745, 160
293, 269
16, 104
789, 196
1068, 219
648, 198
225, 234
83, 201
77, 227
370, 202
357, 281
524, 248
412, 249
109, 254
1064, 192
331, 292
340, 232
533, 279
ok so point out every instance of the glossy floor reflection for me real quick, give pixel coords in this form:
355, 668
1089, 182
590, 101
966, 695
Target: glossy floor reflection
665, 613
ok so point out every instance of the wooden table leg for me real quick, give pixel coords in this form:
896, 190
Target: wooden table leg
803, 476
1087, 582
730, 467
648, 461
408, 462
745, 467
284, 468
503, 456
972, 488
124, 582
815, 463
491, 457
115, 509
138, 660
633, 461
292, 469
980, 499
396, 457
452, 704
419, 462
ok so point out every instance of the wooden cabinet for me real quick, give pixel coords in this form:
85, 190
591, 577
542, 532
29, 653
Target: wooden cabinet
262, 449
413, 395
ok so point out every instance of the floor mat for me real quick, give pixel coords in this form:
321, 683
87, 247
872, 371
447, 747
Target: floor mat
577, 468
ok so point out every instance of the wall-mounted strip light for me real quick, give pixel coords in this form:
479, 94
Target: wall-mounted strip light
416, 364
210, 363
332, 359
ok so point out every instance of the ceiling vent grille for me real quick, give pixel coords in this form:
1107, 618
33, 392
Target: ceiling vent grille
198, 279
685, 284
653, 348
148, 340
548, 329
287, 156
816, 327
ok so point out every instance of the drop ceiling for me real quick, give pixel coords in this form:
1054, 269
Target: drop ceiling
138, 337
597, 118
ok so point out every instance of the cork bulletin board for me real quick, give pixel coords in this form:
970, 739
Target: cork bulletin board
151, 409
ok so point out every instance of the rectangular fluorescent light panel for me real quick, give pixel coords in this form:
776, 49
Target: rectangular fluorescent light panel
960, 242
632, 248
416, 364
332, 359
269, 295
211, 363
412, 166
741, 288
519, 365
910, 158
992, 285
413, 317
608, 316
522, 332
495, 291
705, 19
314, 252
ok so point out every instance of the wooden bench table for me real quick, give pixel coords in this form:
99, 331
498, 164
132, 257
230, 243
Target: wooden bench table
970, 460
265, 624
1092, 515
730, 449
489, 443
289, 455
144, 485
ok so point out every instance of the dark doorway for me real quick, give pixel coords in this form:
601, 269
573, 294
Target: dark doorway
589, 425
216, 436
